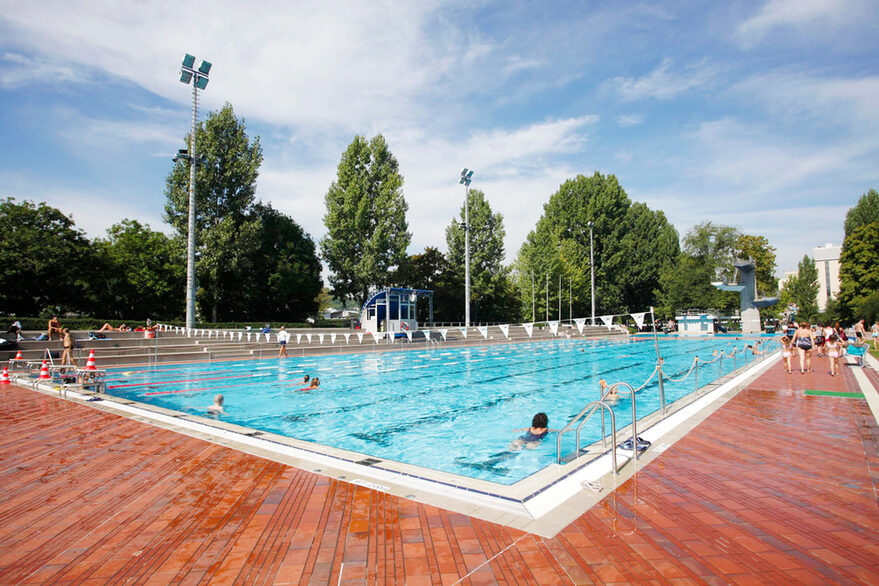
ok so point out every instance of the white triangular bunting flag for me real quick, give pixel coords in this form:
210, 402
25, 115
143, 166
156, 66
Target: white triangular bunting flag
308, 337
580, 321
298, 337
375, 336
443, 333
409, 335
359, 337
483, 330
346, 337
240, 334
267, 337
505, 328
639, 318
390, 336
463, 332
426, 334
554, 327
320, 338
248, 336
528, 328
607, 320
332, 338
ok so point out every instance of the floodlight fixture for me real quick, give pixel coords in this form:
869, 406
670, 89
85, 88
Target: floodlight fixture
466, 175
205, 67
188, 61
185, 76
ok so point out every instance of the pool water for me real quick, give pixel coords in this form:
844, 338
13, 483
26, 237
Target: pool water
450, 409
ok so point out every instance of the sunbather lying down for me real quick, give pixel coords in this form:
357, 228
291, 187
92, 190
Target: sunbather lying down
108, 328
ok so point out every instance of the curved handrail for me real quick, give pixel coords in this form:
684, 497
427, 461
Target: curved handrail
591, 407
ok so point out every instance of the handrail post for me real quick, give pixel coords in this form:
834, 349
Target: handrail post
696, 376
661, 393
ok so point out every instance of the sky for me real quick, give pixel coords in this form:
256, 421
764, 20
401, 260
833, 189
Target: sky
757, 114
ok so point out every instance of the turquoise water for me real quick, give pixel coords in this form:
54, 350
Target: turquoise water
448, 409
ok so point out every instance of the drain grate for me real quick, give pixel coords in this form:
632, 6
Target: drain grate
368, 462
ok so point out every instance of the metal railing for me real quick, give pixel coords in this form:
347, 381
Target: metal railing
614, 389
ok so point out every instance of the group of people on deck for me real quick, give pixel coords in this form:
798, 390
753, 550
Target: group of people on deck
823, 339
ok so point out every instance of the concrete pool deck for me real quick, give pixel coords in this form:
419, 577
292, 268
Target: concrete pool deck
778, 485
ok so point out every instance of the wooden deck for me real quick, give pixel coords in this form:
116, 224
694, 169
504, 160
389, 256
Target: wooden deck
775, 487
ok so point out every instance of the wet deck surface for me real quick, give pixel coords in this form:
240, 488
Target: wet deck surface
775, 487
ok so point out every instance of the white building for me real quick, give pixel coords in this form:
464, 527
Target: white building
827, 262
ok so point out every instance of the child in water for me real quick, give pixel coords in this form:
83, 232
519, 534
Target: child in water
315, 383
534, 434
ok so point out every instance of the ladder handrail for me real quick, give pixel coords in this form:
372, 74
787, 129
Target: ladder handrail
600, 404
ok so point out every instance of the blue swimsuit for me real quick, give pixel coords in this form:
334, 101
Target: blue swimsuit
530, 437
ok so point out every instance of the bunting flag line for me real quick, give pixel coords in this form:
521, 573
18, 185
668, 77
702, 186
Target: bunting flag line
554, 327
639, 318
463, 332
359, 337
505, 328
483, 330
529, 328
443, 333
580, 321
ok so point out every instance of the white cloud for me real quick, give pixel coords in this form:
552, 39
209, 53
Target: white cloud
17, 69
82, 132
662, 83
626, 120
798, 14
825, 100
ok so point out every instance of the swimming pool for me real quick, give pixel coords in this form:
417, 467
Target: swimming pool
449, 409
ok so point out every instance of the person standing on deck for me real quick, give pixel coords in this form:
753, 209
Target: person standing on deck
67, 342
283, 336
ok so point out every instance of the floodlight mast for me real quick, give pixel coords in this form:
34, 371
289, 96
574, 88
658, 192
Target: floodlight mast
466, 176
199, 79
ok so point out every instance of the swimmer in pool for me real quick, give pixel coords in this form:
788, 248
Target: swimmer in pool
612, 397
534, 434
315, 383
217, 407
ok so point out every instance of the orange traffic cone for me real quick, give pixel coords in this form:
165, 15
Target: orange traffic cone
18, 356
4, 379
90, 363
44, 371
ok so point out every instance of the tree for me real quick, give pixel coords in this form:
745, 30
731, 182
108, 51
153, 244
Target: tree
859, 269
284, 281
143, 273
367, 234
758, 248
802, 290
44, 260
866, 211
430, 270
225, 191
490, 287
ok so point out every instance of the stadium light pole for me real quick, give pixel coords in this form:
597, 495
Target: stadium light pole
466, 176
199, 79
592, 265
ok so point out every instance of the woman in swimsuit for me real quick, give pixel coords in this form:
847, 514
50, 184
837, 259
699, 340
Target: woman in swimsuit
786, 353
804, 342
534, 434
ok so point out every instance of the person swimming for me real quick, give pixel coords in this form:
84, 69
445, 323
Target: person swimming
612, 396
534, 434
315, 383
217, 407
